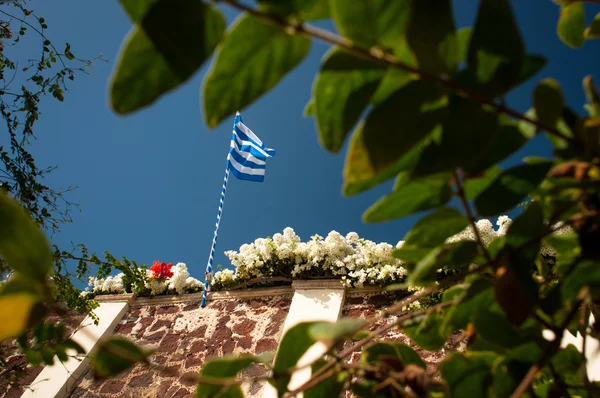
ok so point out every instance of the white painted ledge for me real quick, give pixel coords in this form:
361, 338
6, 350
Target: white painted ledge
56, 381
320, 300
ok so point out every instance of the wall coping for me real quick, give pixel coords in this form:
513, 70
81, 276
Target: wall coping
300, 284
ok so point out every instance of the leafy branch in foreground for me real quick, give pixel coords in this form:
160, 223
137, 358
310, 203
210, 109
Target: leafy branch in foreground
436, 118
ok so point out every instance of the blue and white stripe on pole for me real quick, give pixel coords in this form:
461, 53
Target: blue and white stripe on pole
247, 161
208, 274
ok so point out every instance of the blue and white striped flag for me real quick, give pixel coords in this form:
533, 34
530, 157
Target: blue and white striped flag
247, 154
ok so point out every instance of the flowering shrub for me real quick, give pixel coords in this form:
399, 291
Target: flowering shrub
354, 260
161, 278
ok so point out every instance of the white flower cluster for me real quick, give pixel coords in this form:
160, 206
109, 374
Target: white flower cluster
181, 282
354, 260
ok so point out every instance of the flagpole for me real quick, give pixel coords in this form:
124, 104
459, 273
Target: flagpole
208, 274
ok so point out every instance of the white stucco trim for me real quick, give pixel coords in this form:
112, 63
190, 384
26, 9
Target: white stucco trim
320, 300
56, 381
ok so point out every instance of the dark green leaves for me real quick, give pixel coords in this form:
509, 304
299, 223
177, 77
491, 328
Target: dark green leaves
593, 31
428, 333
22, 244
458, 254
416, 195
571, 24
116, 355
465, 376
342, 91
431, 34
150, 64
510, 187
496, 52
252, 59
223, 368
386, 351
379, 149
333, 331
548, 102
370, 22
435, 228
305, 10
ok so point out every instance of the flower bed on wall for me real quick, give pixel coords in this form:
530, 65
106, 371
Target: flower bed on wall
284, 257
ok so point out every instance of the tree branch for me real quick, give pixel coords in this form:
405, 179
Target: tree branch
388, 59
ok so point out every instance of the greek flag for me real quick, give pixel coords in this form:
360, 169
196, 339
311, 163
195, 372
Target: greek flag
247, 154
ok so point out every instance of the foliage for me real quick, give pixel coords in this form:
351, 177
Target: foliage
408, 67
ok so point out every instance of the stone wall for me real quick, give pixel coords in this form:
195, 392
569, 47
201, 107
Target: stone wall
184, 336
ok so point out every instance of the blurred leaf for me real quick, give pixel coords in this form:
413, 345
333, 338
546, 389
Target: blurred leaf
330, 387
417, 195
478, 298
496, 53
410, 254
402, 352
137, 9
150, 65
571, 23
567, 250
376, 152
295, 342
467, 135
223, 368
455, 254
493, 326
568, 360
428, 334
333, 331
251, 60
116, 355
584, 273
593, 31
309, 108
592, 96
342, 92
306, 10
14, 316
431, 34
463, 37
473, 186
465, 377
22, 244
548, 101
395, 78
435, 228
531, 66
370, 22
510, 187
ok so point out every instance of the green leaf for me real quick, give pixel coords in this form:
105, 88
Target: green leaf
116, 355
431, 34
592, 96
150, 65
465, 377
463, 37
370, 22
478, 298
531, 66
342, 92
593, 31
404, 353
330, 387
428, 334
223, 368
457, 254
14, 317
22, 244
548, 101
293, 345
251, 60
571, 23
410, 254
435, 228
584, 273
567, 250
309, 108
568, 360
376, 153
496, 52
305, 10
417, 195
493, 326
137, 9
467, 136
510, 187
473, 186
333, 331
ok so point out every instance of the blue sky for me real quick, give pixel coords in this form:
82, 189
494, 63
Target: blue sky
149, 183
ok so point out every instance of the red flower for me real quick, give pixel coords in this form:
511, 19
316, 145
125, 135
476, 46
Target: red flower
161, 270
